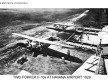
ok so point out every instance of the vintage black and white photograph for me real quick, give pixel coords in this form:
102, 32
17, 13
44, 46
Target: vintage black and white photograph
53, 41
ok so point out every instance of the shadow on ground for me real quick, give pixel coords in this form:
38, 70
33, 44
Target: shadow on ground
54, 53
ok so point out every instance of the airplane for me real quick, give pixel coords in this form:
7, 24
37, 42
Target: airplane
45, 43
72, 28
42, 46
100, 64
86, 35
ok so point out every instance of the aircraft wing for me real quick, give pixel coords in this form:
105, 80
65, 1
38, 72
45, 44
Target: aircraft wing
66, 45
42, 40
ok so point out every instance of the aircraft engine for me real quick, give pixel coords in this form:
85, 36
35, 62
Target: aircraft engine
31, 44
